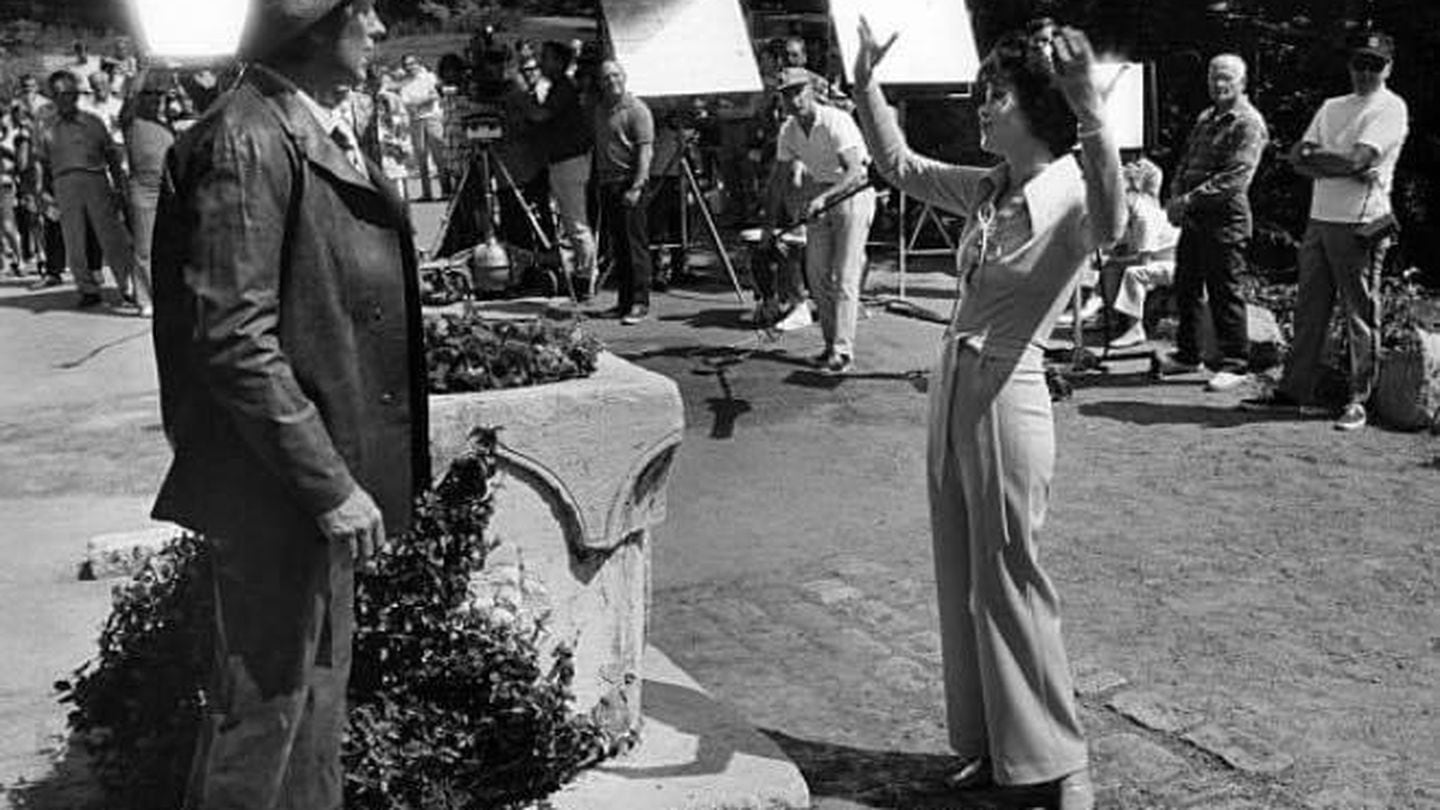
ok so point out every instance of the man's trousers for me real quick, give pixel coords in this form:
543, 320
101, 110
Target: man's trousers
834, 262
1212, 267
568, 185
284, 621
88, 197
1336, 262
1008, 690
627, 230
144, 201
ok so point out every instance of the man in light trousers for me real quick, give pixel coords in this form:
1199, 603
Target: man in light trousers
84, 172
824, 155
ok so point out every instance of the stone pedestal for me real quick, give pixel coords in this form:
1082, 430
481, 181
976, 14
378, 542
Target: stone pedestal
584, 467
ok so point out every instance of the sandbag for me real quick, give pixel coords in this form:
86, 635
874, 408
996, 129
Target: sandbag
1407, 396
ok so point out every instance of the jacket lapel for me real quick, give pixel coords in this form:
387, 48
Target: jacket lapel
314, 143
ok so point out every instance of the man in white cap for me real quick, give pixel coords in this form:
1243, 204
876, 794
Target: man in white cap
287, 335
821, 155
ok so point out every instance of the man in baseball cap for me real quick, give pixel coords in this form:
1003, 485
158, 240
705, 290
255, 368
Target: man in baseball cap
296, 414
1350, 151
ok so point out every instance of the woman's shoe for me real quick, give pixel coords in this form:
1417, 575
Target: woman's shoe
1076, 791
974, 774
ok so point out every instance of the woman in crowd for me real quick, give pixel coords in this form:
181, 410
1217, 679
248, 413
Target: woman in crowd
1031, 224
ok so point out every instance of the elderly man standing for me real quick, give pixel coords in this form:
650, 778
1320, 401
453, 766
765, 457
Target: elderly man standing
83, 170
1209, 201
822, 154
287, 336
624, 148
1350, 150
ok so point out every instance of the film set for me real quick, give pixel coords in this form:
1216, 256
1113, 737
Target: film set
719, 404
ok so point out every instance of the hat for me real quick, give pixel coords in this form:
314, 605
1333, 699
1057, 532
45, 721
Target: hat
1375, 44
795, 77
272, 23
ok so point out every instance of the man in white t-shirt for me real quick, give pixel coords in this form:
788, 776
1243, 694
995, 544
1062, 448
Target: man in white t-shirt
822, 154
420, 90
1350, 151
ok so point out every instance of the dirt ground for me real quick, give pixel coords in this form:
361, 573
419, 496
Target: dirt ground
1266, 575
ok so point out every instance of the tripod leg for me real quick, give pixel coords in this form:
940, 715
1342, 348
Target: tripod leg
710, 226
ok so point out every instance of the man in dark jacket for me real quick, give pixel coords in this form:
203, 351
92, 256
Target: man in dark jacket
287, 334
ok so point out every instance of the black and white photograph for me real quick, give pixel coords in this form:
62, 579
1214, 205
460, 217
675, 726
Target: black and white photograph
720, 405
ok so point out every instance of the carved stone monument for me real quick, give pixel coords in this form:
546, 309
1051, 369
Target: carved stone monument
584, 468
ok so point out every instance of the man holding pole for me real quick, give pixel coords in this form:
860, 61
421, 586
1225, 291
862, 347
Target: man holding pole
822, 155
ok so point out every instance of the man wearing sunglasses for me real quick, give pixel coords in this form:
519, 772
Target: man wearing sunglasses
1350, 151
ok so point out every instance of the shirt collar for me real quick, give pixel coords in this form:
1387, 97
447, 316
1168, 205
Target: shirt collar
1048, 195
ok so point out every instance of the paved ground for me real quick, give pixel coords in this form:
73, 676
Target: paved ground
1251, 604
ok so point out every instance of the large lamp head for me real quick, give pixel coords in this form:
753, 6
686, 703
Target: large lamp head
178, 29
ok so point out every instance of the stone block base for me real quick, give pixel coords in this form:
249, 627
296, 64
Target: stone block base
694, 754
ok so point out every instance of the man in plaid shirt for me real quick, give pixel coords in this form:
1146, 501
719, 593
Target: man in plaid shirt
1209, 202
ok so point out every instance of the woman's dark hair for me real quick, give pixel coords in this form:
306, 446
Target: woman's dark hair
1011, 64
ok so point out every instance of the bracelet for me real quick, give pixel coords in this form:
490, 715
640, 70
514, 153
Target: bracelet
1092, 131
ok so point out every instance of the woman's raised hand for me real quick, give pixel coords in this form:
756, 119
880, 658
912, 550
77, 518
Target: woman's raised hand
870, 53
1074, 61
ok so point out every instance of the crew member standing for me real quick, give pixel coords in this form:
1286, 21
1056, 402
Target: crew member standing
624, 149
821, 151
292, 383
560, 126
1350, 150
1209, 201
83, 170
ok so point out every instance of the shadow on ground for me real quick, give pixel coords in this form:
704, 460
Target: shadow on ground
894, 780
1155, 413
68, 786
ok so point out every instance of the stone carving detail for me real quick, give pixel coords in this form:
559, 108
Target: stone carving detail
584, 466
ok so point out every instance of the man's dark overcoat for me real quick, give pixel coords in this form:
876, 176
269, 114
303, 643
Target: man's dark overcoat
287, 335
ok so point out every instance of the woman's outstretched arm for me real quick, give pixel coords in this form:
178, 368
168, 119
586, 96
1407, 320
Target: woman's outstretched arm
943, 185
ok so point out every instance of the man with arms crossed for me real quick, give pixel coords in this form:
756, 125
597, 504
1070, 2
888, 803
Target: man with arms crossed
1349, 150
287, 336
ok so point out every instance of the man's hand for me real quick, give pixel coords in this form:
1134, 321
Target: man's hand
1175, 209
870, 53
631, 197
815, 207
358, 522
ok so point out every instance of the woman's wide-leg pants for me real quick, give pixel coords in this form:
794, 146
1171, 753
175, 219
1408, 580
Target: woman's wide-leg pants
1008, 688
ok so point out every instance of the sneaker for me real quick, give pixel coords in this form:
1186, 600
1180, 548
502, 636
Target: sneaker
1170, 365
822, 360
1134, 336
1352, 418
146, 311
797, 318
637, 313
47, 281
615, 312
88, 300
839, 364
1225, 381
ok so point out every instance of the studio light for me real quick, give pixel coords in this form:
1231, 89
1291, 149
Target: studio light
188, 29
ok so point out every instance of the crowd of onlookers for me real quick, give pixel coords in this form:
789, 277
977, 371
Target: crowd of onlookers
82, 150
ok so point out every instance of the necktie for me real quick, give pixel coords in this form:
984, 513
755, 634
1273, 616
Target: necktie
347, 145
